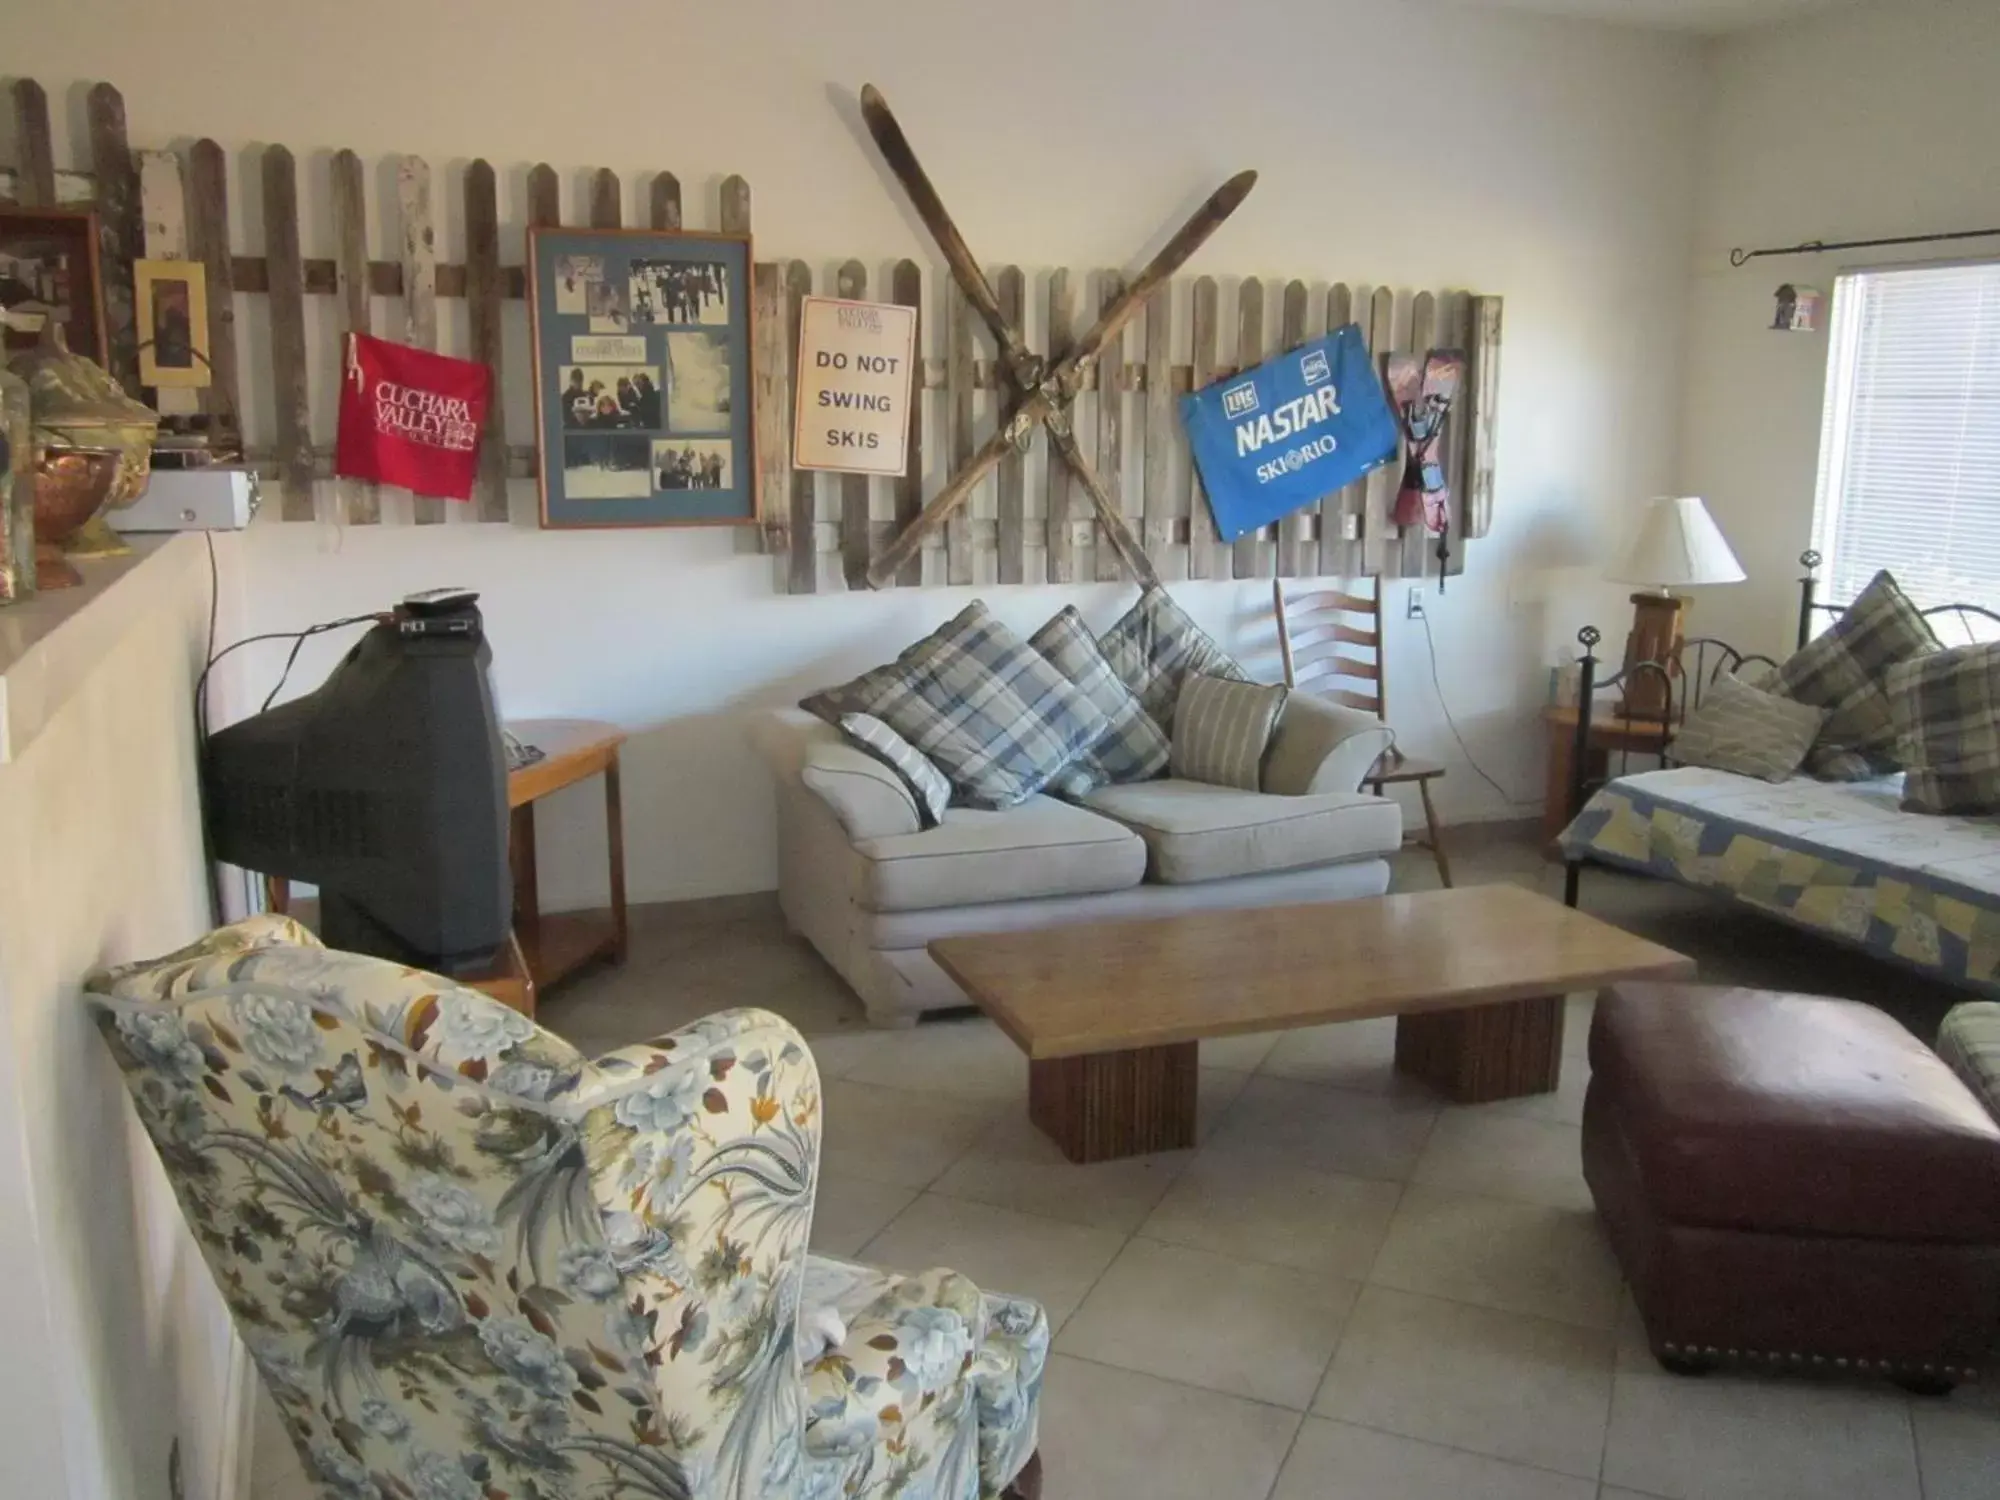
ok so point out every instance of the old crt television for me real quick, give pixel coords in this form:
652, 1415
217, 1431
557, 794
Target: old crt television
386, 788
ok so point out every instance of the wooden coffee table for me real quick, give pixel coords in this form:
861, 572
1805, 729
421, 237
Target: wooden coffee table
1110, 1013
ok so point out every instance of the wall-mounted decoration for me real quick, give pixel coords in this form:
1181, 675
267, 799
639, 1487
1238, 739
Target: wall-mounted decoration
49, 275
1423, 386
1797, 309
412, 418
855, 368
171, 308
642, 345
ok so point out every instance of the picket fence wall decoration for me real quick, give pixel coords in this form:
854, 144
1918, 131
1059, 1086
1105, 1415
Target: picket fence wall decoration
1026, 524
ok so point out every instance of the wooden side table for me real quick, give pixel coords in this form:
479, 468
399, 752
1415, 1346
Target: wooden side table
1609, 732
573, 750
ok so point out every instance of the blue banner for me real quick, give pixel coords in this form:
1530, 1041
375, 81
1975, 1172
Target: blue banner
1276, 438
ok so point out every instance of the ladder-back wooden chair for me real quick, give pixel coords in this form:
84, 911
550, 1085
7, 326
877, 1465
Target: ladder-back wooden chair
1330, 643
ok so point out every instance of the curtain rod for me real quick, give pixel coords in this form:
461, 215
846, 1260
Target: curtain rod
1820, 247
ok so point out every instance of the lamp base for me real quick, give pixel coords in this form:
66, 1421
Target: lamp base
1656, 637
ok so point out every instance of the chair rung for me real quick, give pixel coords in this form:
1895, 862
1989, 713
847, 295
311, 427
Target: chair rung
1316, 633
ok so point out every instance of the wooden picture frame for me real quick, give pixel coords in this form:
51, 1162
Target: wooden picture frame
170, 305
42, 253
642, 342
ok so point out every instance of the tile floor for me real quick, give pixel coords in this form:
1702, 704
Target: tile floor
1348, 1288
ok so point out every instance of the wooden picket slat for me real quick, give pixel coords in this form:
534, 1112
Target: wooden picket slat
607, 208
544, 197
1337, 556
1207, 557
1483, 377
958, 423
482, 305
1106, 564
1416, 541
1161, 429
906, 287
163, 236
1250, 556
1455, 332
116, 174
360, 500
850, 283
1297, 548
735, 216
419, 246
208, 242
1011, 287
771, 393
663, 201
802, 495
35, 186
288, 333
1379, 488
1061, 560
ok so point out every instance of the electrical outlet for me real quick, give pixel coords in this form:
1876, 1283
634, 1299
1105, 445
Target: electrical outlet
1416, 609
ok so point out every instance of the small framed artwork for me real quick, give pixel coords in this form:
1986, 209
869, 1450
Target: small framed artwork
172, 309
49, 274
642, 345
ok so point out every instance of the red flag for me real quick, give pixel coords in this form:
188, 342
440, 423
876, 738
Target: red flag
411, 418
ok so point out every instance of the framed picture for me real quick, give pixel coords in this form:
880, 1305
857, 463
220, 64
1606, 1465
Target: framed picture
642, 346
172, 310
49, 273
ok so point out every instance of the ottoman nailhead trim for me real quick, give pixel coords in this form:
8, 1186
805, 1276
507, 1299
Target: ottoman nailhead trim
1797, 1357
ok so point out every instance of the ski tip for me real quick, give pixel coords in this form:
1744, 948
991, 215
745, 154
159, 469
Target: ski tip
871, 98
1238, 187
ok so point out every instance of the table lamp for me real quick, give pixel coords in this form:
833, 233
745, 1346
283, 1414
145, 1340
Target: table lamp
1676, 545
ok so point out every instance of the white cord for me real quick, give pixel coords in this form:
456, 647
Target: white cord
1437, 687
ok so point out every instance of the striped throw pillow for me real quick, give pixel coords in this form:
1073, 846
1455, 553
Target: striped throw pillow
1221, 730
926, 784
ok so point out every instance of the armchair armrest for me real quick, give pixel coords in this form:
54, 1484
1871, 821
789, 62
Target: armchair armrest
869, 798
1323, 747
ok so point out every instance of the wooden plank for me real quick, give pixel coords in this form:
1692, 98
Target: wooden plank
35, 184
958, 565
1455, 332
1061, 560
1156, 503
735, 218
163, 236
771, 393
663, 204
544, 196
802, 576
1207, 557
482, 306
1483, 379
360, 500
208, 242
1107, 565
1011, 287
116, 173
1298, 550
1251, 554
607, 209
906, 286
1379, 488
850, 282
1417, 541
419, 246
1336, 555
288, 333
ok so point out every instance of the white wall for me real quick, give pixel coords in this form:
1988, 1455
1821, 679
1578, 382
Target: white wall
1406, 143
1856, 125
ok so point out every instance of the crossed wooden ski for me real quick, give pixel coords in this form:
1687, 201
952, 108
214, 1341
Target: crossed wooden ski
1044, 392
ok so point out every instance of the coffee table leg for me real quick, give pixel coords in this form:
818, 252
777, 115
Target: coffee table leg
1485, 1051
1104, 1105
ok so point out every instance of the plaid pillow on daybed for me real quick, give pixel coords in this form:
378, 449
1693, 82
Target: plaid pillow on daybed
1846, 670
988, 709
1156, 647
1946, 706
1134, 748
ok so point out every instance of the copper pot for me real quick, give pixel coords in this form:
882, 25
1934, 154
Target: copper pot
71, 485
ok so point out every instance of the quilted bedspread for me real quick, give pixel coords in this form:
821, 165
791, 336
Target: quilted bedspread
1837, 858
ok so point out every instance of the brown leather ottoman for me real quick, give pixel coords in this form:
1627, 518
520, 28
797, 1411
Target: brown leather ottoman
1792, 1181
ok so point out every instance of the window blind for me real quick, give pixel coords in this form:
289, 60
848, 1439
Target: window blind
1909, 470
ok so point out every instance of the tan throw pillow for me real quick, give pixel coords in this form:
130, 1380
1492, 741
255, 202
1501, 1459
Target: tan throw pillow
1747, 730
1221, 730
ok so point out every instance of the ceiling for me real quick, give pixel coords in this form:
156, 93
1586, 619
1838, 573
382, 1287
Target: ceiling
1702, 17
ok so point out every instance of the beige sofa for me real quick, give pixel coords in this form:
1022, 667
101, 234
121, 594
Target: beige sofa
868, 886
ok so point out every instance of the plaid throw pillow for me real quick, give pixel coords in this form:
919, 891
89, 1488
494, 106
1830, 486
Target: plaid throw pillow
1947, 714
987, 708
927, 785
1845, 671
1133, 748
1156, 647
1747, 730
1222, 728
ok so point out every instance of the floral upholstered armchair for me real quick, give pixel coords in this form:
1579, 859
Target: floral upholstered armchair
473, 1265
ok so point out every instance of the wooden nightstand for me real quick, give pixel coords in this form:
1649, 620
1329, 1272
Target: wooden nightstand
572, 750
1608, 732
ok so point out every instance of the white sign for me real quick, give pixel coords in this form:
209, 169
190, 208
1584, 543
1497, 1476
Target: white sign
856, 367
607, 349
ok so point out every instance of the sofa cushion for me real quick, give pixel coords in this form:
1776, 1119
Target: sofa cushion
1747, 730
1845, 671
1155, 646
1221, 730
1195, 832
1969, 1043
1134, 748
1040, 848
929, 788
1946, 707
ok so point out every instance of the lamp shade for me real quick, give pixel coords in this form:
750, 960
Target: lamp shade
1677, 543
